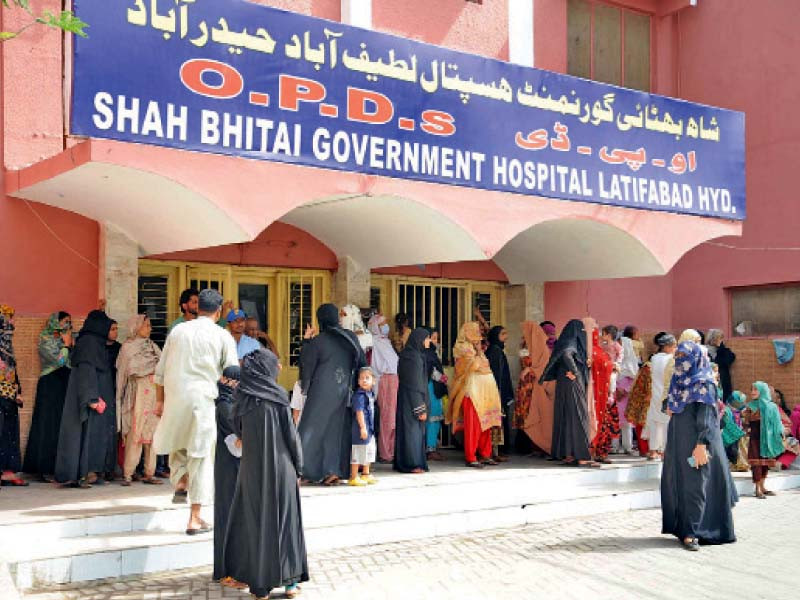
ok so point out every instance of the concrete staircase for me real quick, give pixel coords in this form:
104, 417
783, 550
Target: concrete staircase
72, 535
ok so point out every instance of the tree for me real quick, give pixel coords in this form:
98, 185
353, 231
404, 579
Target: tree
64, 20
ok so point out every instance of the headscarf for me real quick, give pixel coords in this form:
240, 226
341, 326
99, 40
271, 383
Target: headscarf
771, 442
538, 422
689, 335
493, 336
411, 367
573, 339
352, 321
550, 330
692, 379
138, 357
466, 350
8, 361
258, 382
664, 339
51, 346
384, 357
713, 337
225, 390
91, 344
328, 317
738, 400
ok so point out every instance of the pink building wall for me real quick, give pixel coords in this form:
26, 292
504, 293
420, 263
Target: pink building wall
279, 245
737, 55
693, 58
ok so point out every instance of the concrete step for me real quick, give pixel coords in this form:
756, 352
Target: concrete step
45, 512
336, 518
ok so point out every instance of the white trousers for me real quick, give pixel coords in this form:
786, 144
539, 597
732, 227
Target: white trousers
658, 436
200, 486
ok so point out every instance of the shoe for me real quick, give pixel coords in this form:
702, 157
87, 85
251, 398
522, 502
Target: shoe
199, 530
370, 479
357, 482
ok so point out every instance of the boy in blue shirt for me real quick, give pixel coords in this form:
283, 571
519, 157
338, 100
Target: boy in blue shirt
363, 430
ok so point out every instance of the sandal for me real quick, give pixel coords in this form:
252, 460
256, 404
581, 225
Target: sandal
292, 591
330, 480
769, 493
232, 583
691, 544
16, 482
589, 463
152, 481
474, 464
125, 482
82, 484
180, 497
491, 462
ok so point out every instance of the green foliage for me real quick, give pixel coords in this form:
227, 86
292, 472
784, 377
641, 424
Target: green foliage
64, 20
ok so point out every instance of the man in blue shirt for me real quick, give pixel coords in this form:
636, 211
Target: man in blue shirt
237, 319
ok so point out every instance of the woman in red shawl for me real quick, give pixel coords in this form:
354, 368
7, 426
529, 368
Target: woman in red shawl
607, 416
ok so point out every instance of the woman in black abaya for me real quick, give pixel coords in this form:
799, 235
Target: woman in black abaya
412, 404
328, 367
496, 354
87, 438
226, 467
697, 491
264, 544
569, 368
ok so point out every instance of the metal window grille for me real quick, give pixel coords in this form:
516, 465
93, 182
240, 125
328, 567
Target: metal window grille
153, 301
301, 306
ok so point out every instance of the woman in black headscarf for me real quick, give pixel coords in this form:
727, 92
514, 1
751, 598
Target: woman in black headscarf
87, 438
496, 354
569, 368
329, 364
412, 404
264, 545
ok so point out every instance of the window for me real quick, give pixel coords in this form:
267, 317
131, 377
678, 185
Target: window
283, 300
154, 302
609, 44
768, 310
375, 299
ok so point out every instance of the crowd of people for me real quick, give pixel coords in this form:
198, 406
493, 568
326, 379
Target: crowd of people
207, 412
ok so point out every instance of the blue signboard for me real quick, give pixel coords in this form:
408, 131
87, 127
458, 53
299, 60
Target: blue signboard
231, 77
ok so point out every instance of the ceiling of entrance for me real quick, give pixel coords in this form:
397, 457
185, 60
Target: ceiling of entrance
383, 231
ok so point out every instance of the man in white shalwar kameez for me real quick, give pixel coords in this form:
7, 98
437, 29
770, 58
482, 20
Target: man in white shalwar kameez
194, 356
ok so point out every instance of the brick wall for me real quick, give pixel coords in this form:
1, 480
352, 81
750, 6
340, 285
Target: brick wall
755, 361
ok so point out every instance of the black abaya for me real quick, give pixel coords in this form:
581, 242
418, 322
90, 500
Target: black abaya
329, 364
412, 401
10, 459
498, 362
725, 359
226, 471
40, 454
264, 544
87, 439
570, 407
697, 502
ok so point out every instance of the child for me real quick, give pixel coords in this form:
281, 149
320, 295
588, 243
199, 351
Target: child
363, 430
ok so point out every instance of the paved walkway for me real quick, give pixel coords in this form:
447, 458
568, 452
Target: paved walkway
617, 556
